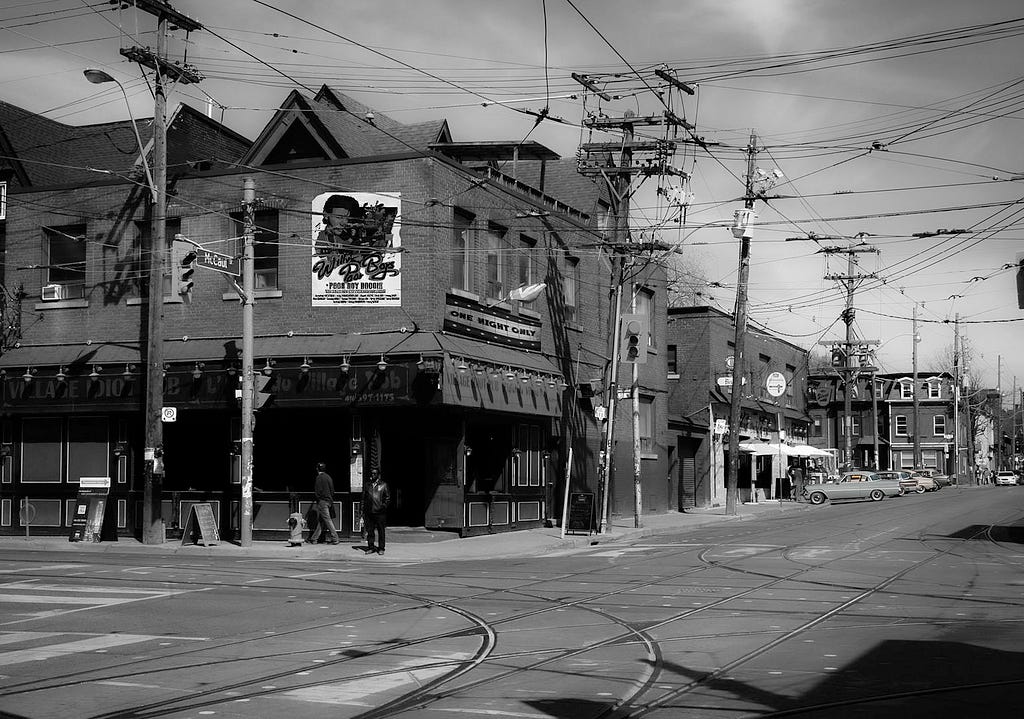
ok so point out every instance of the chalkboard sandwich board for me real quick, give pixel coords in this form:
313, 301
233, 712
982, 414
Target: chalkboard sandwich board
581, 513
201, 526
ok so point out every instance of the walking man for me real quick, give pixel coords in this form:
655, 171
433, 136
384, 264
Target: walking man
376, 497
323, 488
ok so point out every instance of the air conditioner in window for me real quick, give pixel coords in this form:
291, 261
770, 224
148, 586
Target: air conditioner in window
52, 293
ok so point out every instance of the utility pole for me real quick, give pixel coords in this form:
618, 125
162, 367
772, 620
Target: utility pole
917, 400
849, 370
971, 458
152, 520
956, 397
248, 383
619, 180
740, 320
999, 414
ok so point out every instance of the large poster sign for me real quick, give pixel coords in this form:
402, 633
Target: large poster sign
356, 249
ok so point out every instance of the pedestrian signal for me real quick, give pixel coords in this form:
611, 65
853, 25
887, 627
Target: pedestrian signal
634, 338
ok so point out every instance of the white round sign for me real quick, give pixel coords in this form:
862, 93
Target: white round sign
169, 414
775, 384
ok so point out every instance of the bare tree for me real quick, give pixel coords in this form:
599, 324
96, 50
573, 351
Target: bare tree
688, 283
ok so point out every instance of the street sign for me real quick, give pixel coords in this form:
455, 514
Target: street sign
169, 414
217, 262
720, 426
775, 384
730, 361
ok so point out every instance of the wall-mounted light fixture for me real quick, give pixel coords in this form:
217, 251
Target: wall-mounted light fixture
95, 374
62, 376
129, 368
462, 366
469, 451
382, 364
524, 377
305, 366
29, 373
268, 368
345, 365
197, 373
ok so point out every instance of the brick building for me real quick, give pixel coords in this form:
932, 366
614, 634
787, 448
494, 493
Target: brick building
397, 346
699, 352
887, 413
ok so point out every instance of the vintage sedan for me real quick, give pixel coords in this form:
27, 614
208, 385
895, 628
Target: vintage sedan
907, 481
853, 485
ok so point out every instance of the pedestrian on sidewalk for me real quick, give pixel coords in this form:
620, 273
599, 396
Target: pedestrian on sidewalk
323, 488
376, 498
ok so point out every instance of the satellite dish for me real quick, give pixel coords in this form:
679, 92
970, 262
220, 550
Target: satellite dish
527, 293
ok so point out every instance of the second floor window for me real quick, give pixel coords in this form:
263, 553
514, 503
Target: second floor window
494, 264
939, 425
817, 428
672, 361
571, 288
141, 275
524, 261
462, 244
901, 425
265, 247
645, 306
906, 390
65, 259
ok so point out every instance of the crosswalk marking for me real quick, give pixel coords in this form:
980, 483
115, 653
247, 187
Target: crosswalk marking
89, 644
42, 568
67, 599
418, 671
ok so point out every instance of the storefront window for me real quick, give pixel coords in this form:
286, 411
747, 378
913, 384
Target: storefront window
41, 443
87, 448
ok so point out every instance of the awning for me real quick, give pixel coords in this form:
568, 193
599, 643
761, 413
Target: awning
806, 450
766, 448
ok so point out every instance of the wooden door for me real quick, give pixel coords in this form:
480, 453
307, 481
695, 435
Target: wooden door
445, 495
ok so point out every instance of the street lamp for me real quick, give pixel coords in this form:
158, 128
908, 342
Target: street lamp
98, 77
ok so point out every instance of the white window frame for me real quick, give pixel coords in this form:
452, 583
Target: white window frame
571, 289
525, 268
939, 425
494, 261
906, 425
3, 200
645, 307
934, 390
462, 245
906, 390
646, 424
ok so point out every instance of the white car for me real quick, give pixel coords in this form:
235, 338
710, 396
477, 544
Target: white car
1006, 479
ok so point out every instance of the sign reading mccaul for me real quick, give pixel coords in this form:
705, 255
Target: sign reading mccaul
469, 318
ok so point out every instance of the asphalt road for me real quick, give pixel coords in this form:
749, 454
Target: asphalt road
911, 607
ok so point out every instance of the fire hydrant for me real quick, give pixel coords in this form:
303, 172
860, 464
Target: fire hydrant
295, 526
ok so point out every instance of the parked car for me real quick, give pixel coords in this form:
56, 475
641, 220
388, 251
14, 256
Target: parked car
1006, 479
908, 482
853, 485
926, 479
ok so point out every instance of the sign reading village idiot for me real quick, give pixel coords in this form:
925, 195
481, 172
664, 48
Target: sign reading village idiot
493, 324
357, 259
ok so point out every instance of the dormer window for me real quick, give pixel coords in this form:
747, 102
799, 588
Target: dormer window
906, 390
934, 390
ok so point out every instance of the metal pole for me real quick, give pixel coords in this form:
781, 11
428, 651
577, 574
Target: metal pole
874, 417
152, 521
613, 391
917, 401
638, 485
956, 397
732, 483
248, 384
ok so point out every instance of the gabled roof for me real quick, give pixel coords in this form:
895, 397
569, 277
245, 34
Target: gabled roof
334, 126
40, 152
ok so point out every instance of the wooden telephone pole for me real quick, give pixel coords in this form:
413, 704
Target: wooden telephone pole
164, 71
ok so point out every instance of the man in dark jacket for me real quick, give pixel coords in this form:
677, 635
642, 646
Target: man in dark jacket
323, 488
376, 497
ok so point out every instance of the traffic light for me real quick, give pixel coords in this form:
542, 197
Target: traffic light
261, 390
634, 339
186, 268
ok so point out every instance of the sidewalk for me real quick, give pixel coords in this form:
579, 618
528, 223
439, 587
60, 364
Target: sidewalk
411, 544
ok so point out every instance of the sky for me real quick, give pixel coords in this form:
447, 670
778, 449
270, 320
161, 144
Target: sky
884, 120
